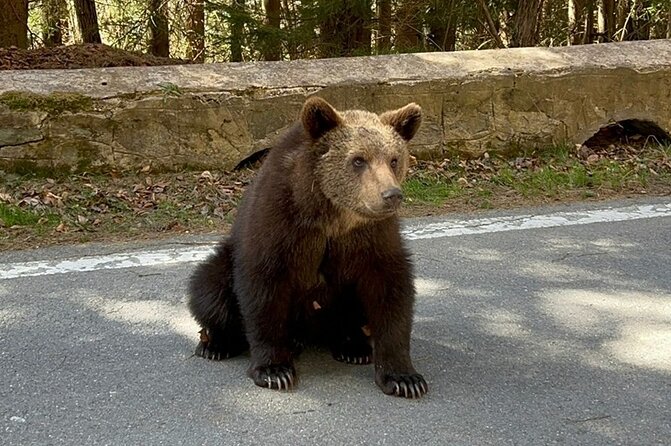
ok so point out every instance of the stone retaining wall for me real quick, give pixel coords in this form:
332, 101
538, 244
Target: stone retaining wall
213, 116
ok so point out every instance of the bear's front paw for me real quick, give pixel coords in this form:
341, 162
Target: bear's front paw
274, 376
405, 385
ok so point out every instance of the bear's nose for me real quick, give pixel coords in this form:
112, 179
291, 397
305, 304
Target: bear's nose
393, 196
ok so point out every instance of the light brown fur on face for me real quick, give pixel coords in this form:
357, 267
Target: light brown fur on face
381, 143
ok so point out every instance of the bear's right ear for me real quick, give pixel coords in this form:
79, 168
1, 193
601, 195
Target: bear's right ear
319, 117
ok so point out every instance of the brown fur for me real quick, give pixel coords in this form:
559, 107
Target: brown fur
315, 253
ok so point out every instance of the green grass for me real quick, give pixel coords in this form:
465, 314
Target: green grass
553, 174
430, 190
12, 215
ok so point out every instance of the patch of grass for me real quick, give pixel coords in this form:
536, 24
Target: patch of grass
53, 103
557, 174
11, 215
430, 190
15, 216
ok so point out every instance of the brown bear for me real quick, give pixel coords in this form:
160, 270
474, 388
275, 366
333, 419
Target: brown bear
315, 254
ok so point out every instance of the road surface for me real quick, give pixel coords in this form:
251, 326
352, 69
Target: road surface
535, 327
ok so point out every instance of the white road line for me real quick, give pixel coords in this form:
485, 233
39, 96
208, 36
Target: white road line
519, 222
449, 228
112, 261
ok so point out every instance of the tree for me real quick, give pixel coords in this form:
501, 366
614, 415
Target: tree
525, 23
442, 22
345, 29
55, 21
196, 30
158, 25
237, 26
14, 23
606, 20
87, 18
575, 22
409, 35
384, 25
271, 43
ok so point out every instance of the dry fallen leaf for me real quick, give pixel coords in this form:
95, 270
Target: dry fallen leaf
463, 181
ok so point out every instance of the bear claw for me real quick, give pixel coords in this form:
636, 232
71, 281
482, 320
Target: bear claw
406, 386
206, 351
358, 360
276, 377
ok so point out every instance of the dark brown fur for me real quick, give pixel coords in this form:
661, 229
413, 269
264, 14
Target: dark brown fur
315, 253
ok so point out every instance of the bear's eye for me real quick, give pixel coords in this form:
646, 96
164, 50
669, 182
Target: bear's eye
394, 163
358, 162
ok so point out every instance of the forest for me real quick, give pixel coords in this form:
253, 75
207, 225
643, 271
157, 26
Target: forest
247, 30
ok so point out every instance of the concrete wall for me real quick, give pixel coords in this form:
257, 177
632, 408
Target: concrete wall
213, 116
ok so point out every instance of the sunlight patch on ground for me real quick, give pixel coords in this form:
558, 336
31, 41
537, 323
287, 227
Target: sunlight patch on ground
631, 327
430, 287
150, 316
555, 272
504, 323
603, 245
483, 255
9, 317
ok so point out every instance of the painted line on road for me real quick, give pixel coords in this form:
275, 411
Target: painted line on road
449, 228
454, 228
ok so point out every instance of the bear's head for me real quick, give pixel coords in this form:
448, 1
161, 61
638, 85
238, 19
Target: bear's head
362, 157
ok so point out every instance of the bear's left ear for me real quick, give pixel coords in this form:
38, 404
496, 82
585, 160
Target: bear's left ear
405, 120
318, 117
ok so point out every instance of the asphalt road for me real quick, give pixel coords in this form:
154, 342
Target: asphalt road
530, 334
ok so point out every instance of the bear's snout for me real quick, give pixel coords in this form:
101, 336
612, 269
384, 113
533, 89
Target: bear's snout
392, 197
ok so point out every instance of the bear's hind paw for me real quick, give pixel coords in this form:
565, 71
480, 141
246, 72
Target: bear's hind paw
211, 347
352, 359
274, 376
353, 351
205, 350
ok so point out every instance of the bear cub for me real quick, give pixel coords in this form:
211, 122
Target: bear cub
315, 254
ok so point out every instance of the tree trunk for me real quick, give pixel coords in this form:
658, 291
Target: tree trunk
668, 23
237, 28
14, 23
158, 25
87, 18
55, 18
384, 26
409, 34
525, 24
575, 22
606, 20
196, 30
347, 30
272, 45
442, 25
588, 34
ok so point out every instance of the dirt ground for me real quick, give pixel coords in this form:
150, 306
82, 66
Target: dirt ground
78, 56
